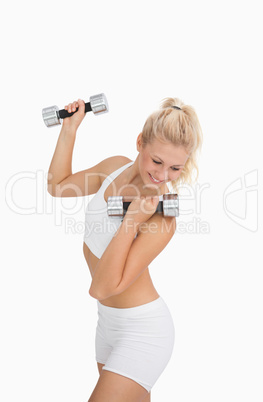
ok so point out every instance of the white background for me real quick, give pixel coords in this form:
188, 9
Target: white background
209, 54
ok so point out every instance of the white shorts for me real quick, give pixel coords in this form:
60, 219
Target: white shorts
135, 342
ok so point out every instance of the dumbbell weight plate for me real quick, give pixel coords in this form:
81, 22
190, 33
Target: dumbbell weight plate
115, 206
99, 104
170, 205
50, 116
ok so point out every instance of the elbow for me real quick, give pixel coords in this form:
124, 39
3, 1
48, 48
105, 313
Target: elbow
50, 192
53, 190
99, 294
95, 293
50, 189
50, 184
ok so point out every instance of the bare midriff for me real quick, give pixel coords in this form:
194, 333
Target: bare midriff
142, 291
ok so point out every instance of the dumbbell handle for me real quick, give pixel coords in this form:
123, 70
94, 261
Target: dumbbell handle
126, 205
63, 113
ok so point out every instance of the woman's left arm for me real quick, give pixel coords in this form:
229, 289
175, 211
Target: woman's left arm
126, 258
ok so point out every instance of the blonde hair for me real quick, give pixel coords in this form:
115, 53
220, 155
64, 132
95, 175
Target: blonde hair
181, 127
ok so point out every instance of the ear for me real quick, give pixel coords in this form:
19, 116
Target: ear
139, 142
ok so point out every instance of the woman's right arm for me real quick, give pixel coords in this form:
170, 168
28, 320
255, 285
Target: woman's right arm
61, 181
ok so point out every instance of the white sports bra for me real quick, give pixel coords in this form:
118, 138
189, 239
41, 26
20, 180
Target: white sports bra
99, 227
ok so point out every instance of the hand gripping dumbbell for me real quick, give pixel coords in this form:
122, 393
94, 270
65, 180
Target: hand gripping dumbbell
168, 207
97, 104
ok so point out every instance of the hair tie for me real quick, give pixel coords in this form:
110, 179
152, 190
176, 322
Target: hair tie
176, 107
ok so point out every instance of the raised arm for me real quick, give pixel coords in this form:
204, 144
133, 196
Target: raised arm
61, 181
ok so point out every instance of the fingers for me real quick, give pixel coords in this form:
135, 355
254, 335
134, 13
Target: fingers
152, 200
145, 203
146, 200
81, 104
149, 204
72, 107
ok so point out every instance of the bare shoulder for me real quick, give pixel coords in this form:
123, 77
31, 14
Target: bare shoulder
109, 165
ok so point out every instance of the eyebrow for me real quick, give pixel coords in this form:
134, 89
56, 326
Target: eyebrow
156, 156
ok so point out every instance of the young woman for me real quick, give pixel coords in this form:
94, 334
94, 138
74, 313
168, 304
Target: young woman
135, 331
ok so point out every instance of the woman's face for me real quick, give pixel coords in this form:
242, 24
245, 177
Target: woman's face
160, 162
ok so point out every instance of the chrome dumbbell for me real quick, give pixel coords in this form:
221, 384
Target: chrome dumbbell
52, 115
116, 206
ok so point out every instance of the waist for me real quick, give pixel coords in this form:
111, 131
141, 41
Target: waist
131, 311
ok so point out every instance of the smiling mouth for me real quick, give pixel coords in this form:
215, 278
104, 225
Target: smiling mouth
154, 180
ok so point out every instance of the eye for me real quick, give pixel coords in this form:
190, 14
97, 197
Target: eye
158, 163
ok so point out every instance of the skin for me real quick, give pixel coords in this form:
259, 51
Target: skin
133, 285
164, 161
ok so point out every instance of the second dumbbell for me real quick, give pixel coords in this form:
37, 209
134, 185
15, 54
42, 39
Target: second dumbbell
116, 206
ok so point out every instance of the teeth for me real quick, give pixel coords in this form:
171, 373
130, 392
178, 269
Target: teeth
157, 181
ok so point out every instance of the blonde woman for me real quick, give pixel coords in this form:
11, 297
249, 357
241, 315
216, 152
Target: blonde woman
135, 331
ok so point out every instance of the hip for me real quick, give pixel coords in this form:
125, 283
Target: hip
153, 318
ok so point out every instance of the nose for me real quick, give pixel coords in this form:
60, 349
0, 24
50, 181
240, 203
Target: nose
162, 174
